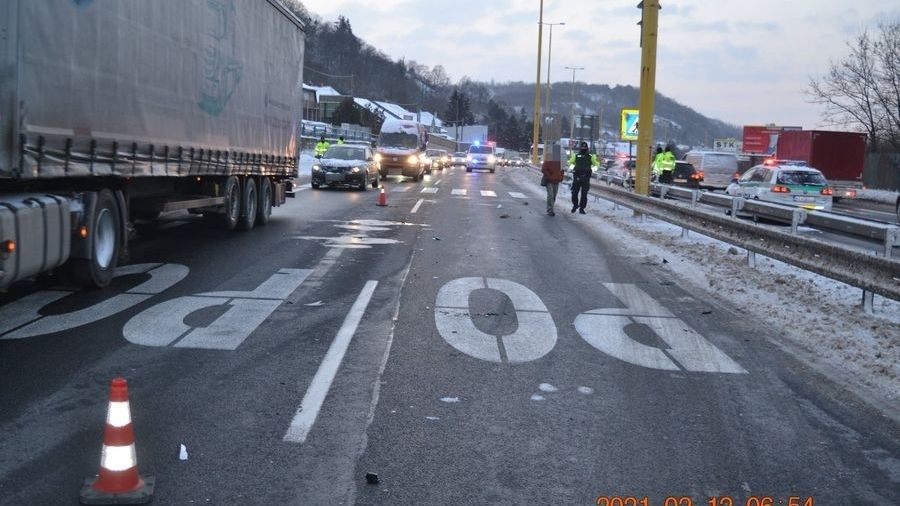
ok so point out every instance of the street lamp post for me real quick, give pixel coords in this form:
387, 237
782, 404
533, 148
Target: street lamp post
549, 54
537, 91
572, 128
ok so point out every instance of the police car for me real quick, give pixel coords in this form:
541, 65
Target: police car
784, 182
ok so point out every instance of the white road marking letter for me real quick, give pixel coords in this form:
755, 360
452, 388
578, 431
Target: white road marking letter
605, 329
163, 324
26, 310
534, 338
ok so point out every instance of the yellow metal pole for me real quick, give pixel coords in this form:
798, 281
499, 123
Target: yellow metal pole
650, 22
537, 91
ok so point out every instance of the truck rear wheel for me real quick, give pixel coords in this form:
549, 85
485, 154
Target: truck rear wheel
232, 193
248, 204
103, 236
264, 209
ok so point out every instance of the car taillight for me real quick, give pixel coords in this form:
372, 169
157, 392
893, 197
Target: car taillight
827, 191
850, 194
781, 189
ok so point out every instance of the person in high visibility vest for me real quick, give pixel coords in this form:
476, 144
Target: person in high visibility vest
657, 161
321, 147
340, 140
667, 167
581, 176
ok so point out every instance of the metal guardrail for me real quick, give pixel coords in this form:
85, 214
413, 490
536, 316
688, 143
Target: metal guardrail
885, 234
872, 273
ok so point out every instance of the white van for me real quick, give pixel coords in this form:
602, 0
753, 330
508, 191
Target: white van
718, 167
401, 148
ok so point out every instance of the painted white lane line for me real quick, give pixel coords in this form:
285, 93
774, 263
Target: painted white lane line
321, 383
458, 191
430, 189
488, 193
517, 195
415, 208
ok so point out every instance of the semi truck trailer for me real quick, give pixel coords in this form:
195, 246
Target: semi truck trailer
112, 112
841, 156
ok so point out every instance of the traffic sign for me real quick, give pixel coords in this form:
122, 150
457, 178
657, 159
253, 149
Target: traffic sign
629, 124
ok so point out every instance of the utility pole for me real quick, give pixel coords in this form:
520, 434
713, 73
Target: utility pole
572, 128
649, 25
547, 101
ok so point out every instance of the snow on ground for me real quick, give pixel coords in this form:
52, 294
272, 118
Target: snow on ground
816, 319
883, 196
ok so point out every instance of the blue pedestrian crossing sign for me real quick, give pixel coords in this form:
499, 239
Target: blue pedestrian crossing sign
629, 124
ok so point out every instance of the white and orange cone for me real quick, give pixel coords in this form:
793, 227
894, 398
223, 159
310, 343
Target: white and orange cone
382, 197
118, 481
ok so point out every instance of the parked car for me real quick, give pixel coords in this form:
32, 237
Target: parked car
481, 157
622, 171
438, 159
515, 160
458, 158
685, 174
782, 183
346, 165
718, 167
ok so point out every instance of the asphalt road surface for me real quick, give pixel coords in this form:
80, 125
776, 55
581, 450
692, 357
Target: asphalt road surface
457, 344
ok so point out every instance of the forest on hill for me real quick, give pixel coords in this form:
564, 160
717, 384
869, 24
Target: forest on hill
336, 57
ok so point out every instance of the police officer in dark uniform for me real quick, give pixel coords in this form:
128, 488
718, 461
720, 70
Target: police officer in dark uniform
581, 176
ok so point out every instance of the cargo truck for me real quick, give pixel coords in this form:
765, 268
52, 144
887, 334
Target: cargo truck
114, 111
841, 156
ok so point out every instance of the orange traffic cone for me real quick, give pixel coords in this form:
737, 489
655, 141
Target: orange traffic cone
382, 198
118, 481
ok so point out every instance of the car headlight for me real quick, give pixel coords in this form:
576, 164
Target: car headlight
468, 158
377, 157
316, 168
491, 159
412, 160
355, 170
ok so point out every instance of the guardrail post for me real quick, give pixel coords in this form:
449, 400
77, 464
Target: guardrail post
684, 232
737, 204
868, 301
663, 190
751, 259
695, 197
891, 238
798, 216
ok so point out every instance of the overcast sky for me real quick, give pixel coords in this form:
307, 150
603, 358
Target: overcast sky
741, 61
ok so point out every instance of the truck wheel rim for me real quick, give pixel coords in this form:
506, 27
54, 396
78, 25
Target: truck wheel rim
104, 239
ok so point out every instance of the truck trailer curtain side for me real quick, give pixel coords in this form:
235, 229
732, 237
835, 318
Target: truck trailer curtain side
149, 88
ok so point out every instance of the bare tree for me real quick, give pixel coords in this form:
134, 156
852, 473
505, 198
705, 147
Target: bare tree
887, 52
862, 90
